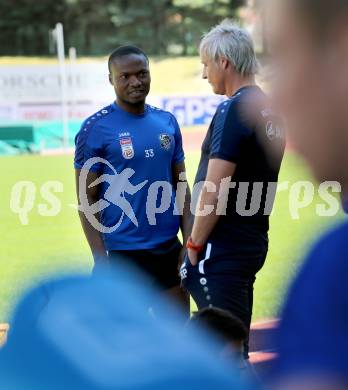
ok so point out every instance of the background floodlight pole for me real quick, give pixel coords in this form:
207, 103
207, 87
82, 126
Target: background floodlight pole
62, 71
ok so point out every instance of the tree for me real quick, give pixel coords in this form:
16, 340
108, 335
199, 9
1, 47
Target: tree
158, 26
24, 25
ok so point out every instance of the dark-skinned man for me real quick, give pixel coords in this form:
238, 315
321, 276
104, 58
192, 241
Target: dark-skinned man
138, 155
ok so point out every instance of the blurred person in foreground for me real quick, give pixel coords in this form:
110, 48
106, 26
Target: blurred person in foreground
240, 161
309, 45
62, 337
229, 329
126, 197
230, 333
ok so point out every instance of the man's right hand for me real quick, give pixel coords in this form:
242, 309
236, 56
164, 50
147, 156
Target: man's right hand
181, 257
94, 237
101, 258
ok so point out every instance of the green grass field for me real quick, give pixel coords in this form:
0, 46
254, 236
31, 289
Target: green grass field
51, 246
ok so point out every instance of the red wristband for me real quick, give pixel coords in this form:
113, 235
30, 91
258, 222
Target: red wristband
194, 247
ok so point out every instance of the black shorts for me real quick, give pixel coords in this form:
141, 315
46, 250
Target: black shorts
224, 277
160, 264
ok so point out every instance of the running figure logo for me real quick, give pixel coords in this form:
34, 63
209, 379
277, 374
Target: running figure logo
119, 185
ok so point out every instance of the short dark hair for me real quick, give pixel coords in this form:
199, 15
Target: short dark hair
221, 322
125, 51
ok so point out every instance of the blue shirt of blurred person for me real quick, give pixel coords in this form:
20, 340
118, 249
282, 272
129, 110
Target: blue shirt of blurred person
81, 333
313, 338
